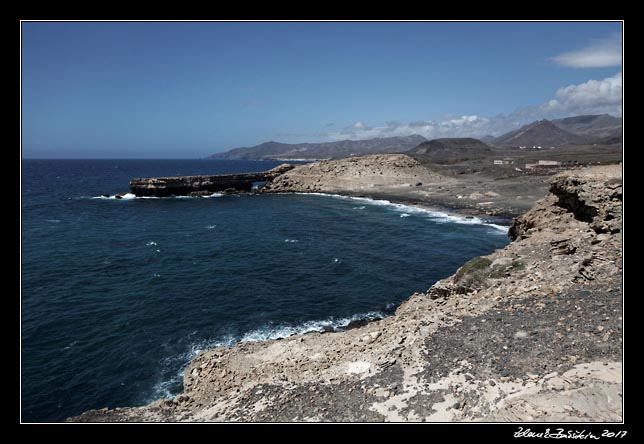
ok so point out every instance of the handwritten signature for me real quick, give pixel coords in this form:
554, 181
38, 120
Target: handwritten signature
567, 434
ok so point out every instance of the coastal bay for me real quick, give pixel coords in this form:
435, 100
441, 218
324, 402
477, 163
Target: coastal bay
501, 339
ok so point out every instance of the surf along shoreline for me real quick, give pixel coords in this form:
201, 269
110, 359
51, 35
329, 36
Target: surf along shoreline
484, 344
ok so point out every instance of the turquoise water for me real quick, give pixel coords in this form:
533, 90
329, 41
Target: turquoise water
119, 295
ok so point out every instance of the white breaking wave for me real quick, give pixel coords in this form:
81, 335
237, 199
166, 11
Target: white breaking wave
436, 216
129, 196
268, 333
502, 228
126, 196
162, 389
405, 215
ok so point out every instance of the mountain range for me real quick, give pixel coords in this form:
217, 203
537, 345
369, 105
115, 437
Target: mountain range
325, 150
577, 130
541, 133
603, 126
451, 149
570, 131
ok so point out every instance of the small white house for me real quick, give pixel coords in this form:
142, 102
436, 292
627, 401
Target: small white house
548, 163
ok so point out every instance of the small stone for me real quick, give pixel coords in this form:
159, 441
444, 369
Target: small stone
521, 334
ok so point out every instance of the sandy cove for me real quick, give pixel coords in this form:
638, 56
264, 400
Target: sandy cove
531, 332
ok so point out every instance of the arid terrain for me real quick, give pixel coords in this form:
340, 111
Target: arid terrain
531, 332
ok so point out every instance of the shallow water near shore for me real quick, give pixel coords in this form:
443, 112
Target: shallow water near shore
119, 294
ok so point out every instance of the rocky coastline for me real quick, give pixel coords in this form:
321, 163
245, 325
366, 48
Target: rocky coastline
202, 185
531, 332
402, 179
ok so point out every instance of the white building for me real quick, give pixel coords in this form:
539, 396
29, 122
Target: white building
542, 163
548, 163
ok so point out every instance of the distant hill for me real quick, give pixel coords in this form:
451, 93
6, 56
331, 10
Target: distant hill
451, 149
612, 140
540, 133
599, 129
600, 126
487, 139
327, 150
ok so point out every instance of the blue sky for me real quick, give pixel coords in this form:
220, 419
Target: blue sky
188, 89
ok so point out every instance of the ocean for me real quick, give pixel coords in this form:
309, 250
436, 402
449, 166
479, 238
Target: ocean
119, 294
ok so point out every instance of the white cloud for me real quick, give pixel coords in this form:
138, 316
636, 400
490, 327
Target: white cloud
591, 97
600, 53
454, 127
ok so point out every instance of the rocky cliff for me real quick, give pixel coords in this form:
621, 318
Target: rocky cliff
532, 332
201, 185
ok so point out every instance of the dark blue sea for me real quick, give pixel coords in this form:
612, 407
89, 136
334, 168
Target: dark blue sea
119, 295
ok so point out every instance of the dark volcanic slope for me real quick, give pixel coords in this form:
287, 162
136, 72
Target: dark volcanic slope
327, 150
451, 149
602, 126
541, 133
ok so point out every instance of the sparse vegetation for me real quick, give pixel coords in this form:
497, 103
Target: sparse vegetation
475, 272
476, 265
498, 271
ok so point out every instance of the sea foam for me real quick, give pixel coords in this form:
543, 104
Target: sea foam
407, 210
269, 332
130, 196
169, 387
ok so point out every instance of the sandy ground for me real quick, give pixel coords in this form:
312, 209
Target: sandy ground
400, 178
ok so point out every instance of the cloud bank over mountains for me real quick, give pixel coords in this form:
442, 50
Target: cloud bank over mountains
591, 97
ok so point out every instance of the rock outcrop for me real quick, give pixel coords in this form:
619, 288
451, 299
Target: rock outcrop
354, 174
593, 196
200, 185
531, 332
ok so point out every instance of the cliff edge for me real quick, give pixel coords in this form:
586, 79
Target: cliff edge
531, 332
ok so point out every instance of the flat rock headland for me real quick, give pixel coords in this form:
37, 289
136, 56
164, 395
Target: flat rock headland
402, 178
202, 185
531, 332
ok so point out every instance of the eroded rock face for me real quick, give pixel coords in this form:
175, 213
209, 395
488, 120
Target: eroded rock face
595, 199
531, 332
